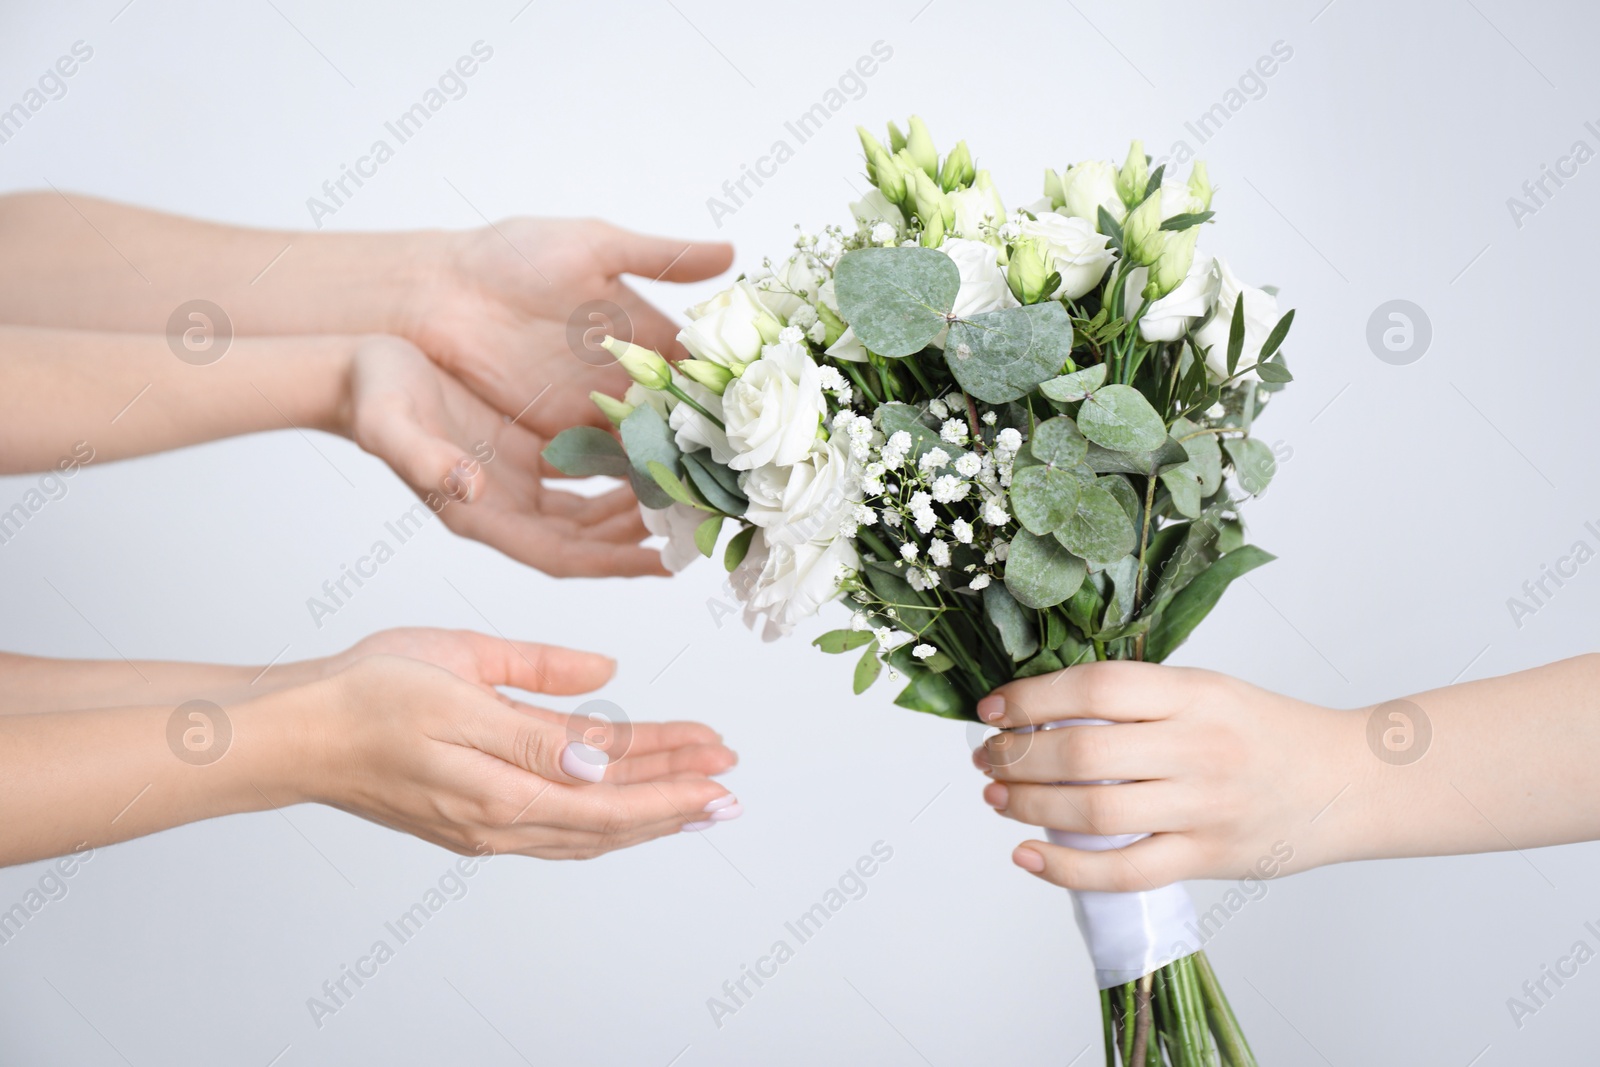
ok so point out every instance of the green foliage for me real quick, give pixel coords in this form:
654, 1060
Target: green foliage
896, 299
1041, 573
1000, 356
1197, 599
585, 451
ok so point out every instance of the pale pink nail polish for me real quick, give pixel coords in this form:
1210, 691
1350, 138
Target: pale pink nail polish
725, 800
1028, 860
584, 762
696, 827
724, 814
992, 708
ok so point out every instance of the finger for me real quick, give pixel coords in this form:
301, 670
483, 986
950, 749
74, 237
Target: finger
1125, 751
536, 746
1121, 690
426, 463
1133, 808
622, 810
599, 559
636, 739
698, 760
1149, 864
667, 259
540, 668
557, 547
648, 325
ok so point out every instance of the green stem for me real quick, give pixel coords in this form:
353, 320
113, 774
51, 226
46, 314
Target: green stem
1230, 1039
683, 397
1108, 1027
861, 382
910, 363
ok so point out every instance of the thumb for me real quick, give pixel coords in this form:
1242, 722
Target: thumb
537, 746
426, 463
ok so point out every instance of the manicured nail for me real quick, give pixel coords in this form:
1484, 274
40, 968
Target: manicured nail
725, 814
584, 762
696, 827
725, 800
998, 796
980, 760
992, 708
1028, 860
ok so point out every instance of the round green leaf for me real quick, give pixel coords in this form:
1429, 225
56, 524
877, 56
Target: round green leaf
1075, 386
1253, 462
896, 299
1040, 573
999, 356
1044, 498
1099, 530
1057, 442
1118, 417
582, 451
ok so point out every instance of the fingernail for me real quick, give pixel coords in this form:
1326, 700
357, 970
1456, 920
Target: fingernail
992, 708
1028, 860
725, 800
998, 796
725, 814
584, 762
980, 760
696, 827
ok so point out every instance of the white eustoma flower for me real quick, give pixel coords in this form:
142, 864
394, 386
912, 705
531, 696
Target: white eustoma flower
692, 431
983, 280
1167, 318
807, 500
638, 396
772, 410
1073, 248
978, 209
1260, 316
795, 282
730, 328
874, 210
677, 524
1090, 186
788, 583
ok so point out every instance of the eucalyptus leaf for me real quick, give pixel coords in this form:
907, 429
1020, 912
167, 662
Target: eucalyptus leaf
648, 439
1057, 442
1118, 417
933, 693
1085, 607
1075, 386
718, 484
738, 548
1205, 455
649, 493
1017, 631
998, 356
1124, 593
1045, 662
585, 451
1044, 498
1106, 461
1125, 494
1179, 618
1039, 572
1099, 529
896, 299
1253, 463
1183, 489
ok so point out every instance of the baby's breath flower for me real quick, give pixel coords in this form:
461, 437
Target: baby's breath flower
908, 551
933, 459
937, 409
994, 514
1008, 442
962, 530
979, 582
939, 552
954, 431
968, 464
947, 489
924, 651
791, 335
883, 234
989, 418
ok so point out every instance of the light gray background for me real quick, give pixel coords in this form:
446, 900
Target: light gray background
1417, 500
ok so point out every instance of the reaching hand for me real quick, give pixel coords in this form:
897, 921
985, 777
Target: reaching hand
516, 311
482, 472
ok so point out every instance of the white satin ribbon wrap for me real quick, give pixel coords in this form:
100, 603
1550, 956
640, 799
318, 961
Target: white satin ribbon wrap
1129, 934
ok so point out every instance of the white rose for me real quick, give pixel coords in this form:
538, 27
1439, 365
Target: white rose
677, 524
1260, 316
692, 430
773, 409
806, 501
1168, 317
978, 208
730, 328
1090, 186
1074, 249
794, 283
983, 282
788, 583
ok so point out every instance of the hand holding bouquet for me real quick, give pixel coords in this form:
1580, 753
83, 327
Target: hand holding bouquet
1004, 439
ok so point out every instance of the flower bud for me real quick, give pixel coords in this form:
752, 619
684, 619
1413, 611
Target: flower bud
612, 408
889, 175
958, 170
713, 376
932, 205
1172, 266
1028, 271
1200, 184
642, 364
832, 324
897, 140
1142, 236
1134, 175
1053, 188
920, 144
871, 149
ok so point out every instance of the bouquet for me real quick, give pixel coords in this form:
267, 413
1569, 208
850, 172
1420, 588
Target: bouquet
1011, 441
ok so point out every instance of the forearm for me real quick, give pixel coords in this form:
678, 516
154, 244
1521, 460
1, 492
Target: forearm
33, 684
74, 261
77, 778
1510, 764
80, 396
